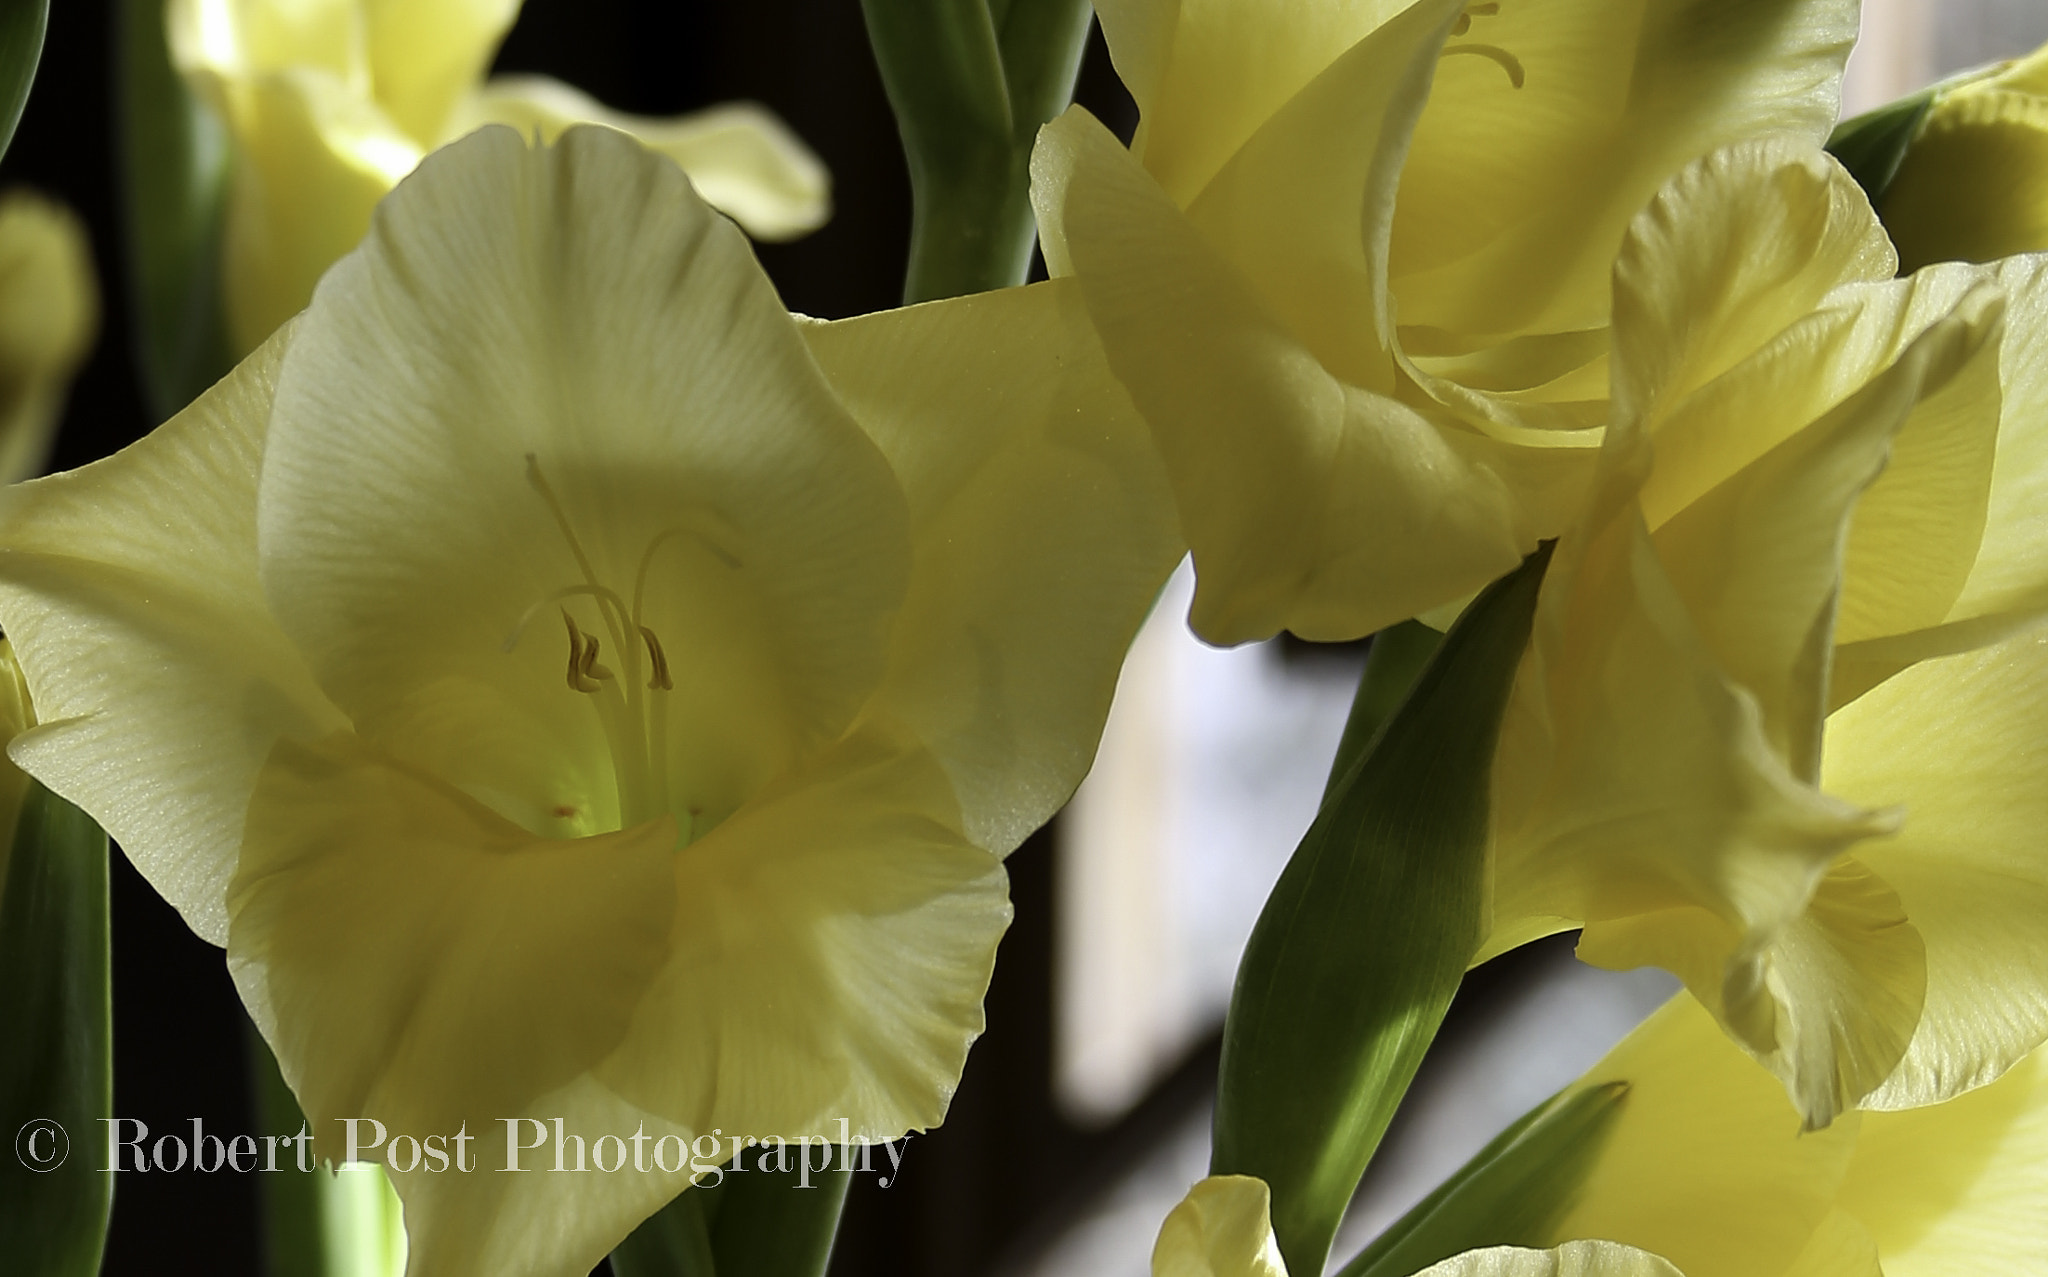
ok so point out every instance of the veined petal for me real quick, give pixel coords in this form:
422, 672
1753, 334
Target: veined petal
552, 380
313, 158
1558, 123
1207, 73
425, 54
49, 315
1310, 504
17, 715
1958, 742
1304, 208
1572, 1259
1958, 1187
500, 965
1735, 249
2005, 588
90, 583
1043, 527
1706, 1164
744, 161
831, 946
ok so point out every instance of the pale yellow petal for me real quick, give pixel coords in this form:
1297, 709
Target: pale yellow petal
549, 374
49, 316
17, 715
831, 947
1734, 249
239, 38
313, 157
425, 54
1959, 1188
1706, 1164
1207, 73
1550, 125
413, 957
1310, 504
1304, 208
1573, 1259
1840, 1247
1043, 528
93, 589
744, 161
1958, 742
1973, 186
1222, 1228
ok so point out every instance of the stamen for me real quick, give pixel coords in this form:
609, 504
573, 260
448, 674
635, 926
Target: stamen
1508, 62
659, 679
1464, 22
591, 669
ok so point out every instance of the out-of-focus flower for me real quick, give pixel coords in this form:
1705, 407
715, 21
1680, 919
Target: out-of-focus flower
1221, 1229
1972, 185
331, 102
1817, 475
570, 688
1376, 369
1706, 1166
49, 315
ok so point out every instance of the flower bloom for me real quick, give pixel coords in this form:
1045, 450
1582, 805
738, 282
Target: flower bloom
49, 315
571, 688
1780, 731
330, 103
1222, 1229
1354, 269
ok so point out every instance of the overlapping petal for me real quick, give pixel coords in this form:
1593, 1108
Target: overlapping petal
1706, 1165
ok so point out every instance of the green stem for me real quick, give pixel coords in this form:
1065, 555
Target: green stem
971, 82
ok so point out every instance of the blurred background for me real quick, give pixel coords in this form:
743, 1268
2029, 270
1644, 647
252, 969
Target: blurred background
1083, 1115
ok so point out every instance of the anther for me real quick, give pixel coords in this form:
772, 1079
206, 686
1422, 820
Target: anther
584, 671
1464, 22
659, 679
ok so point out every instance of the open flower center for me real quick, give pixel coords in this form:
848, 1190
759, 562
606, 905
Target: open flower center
1508, 62
631, 704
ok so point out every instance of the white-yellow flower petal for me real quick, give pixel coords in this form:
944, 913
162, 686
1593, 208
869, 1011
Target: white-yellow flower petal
93, 590
743, 160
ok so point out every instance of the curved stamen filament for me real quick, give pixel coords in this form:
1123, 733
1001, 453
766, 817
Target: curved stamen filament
1508, 61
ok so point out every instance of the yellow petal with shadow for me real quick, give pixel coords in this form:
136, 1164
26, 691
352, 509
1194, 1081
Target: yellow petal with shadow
413, 957
1042, 527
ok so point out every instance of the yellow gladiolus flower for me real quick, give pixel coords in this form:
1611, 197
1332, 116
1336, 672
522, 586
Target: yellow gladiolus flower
1222, 1229
1973, 184
1817, 475
1706, 1166
1354, 269
17, 715
49, 316
331, 102
572, 688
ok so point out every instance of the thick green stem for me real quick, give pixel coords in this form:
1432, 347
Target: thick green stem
971, 82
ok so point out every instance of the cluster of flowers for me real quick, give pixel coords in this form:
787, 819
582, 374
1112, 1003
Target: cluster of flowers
568, 684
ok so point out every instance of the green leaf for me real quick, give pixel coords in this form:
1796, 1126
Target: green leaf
1364, 940
1513, 1192
56, 1072
754, 1223
1392, 664
1873, 145
970, 83
174, 168
22, 23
